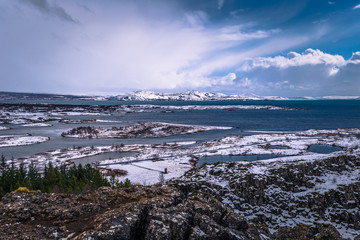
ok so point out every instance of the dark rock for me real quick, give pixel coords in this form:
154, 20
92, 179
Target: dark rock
135, 213
305, 232
286, 193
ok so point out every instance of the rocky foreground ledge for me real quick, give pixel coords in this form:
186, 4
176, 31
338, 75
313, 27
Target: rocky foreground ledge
134, 213
286, 197
223, 201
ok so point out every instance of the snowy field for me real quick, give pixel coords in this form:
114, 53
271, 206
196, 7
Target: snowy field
173, 159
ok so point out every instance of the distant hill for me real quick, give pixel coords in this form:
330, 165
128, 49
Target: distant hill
44, 96
154, 96
188, 96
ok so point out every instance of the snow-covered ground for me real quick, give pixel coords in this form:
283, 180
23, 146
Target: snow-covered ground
40, 113
37, 125
19, 117
141, 130
22, 113
149, 107
209, 96
64, 156
183, 96
151, 159
13, 140
288, 205
284, 208
297, 148
152, 163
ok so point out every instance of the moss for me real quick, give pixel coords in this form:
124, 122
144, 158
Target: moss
25, 190
196, 197
258, 225
318, 237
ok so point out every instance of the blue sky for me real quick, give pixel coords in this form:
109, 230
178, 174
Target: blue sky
272, 47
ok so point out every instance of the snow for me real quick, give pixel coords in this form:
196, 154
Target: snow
76, 114
258, 169
149, 129
149, 107
184, 143
106, 121
323, 184
36, 125
151, 160
22, 117
171, 155
221, 175
331, 181
64, 156
190, 96
184, 96
14, 140
147, 173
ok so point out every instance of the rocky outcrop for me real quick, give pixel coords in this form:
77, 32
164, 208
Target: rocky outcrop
134, 213
300, 200
304, 232
285, 195
140, 130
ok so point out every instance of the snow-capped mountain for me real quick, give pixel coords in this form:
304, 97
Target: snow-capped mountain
184, 96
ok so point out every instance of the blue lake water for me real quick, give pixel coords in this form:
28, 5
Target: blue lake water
319, 114
317, 148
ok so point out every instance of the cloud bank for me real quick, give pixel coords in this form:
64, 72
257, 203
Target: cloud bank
312, 72
121, 46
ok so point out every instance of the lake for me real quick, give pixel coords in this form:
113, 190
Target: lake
317, 114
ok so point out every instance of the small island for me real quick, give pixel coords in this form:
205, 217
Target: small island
141, 130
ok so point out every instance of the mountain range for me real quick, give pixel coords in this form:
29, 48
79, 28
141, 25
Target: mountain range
154, 96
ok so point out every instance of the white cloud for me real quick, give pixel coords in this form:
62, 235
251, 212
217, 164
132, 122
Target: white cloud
293, 59
224, 81
127, 50
355, 58
334, 70
120, 46
312, 72
357, 6
235, 33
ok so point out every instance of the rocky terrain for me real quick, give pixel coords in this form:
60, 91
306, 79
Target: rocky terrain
282, 196
134, 213
298, 200
29, 113
141, 130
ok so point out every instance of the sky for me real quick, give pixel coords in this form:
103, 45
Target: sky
267, 48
